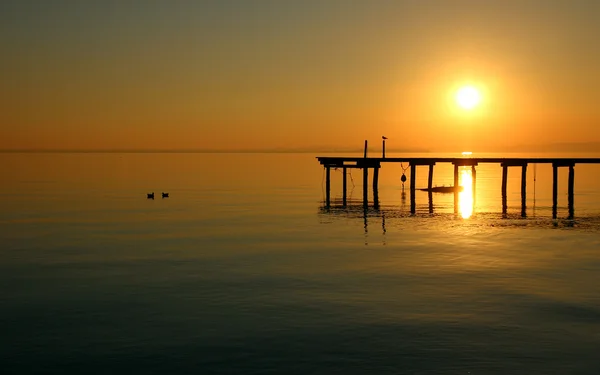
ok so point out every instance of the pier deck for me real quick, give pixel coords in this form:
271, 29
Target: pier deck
375, 163
339, 161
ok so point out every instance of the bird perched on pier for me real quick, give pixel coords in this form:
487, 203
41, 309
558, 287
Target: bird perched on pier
165, 195
151, 195
383, 137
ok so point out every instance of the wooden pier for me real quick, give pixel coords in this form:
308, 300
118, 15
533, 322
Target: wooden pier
365, 163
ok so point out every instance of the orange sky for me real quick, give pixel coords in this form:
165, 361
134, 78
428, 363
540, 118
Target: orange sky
305, 74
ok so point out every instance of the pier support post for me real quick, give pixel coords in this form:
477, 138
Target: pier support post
571, 188
328, 187
430, 178
365, 186
524, 190
344, 186
456, 188
429, 186
474, 183
413, 180
365, 179
376, 186
554, 190
504, 181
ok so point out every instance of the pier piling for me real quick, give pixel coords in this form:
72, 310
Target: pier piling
413, 187
524, 190
571, 188
504, 181
429, 186
328, 187
455, 188
554, 189
430, 178
365, 186
344, 186
376, 187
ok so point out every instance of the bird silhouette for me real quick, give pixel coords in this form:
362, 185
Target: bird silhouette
151, 195
165, 195
383, 137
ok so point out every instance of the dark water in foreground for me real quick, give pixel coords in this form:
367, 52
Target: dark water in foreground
240, 271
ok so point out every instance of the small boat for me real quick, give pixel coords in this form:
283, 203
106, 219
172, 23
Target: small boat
165, 195
151, 195
443, 189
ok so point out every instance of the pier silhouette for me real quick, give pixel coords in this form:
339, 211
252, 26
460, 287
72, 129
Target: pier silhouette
375, 163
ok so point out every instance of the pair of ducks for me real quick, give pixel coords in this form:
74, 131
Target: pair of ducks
151, 195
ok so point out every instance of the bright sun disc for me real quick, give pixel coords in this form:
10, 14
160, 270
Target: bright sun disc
468, 97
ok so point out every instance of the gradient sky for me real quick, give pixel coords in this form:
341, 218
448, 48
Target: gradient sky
297, 74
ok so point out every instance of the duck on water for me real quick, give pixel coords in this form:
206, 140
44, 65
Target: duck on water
151, 195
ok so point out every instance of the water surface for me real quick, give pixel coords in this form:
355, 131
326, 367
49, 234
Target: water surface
242, 270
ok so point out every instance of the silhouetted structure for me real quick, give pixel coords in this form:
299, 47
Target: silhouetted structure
365, 163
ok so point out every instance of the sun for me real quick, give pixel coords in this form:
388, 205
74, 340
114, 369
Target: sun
468, 97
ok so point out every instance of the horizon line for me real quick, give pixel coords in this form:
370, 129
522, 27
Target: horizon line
199, 151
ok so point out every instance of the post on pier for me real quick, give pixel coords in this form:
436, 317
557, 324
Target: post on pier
554, 189
413, 180
504, 181
365, 185
328, 187
365, 179
344, 186
571, 188
429, 186
376, 186
524, 190
430, 178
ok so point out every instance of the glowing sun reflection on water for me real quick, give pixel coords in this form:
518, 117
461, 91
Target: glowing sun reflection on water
465, 197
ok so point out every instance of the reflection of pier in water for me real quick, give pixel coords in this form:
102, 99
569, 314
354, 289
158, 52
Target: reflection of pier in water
355, 210
366, 163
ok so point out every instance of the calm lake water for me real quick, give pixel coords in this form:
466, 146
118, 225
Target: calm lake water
242, 271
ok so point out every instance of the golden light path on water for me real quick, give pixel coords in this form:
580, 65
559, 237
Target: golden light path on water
465, 197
